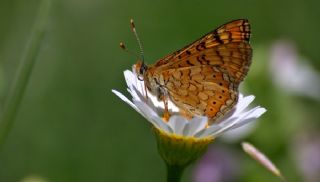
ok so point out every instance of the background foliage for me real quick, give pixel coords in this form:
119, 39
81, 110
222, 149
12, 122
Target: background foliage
70, 127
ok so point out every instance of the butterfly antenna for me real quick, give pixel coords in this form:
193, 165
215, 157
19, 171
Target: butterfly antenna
133, 28
123, 47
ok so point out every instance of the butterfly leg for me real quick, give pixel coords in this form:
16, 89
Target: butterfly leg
163, 96
146, 91
166, 114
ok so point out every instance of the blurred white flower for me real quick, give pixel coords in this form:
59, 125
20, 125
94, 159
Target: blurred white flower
260, 157
292, 73
197, 127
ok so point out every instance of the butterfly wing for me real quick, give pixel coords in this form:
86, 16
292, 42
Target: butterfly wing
201, 90
203, 77
226, 47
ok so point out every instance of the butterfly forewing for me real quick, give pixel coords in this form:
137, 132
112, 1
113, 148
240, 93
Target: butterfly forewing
203, 77
227, 47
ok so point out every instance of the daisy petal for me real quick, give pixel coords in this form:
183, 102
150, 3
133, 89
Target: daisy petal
258, 111
196, 124
243, 103
214, 129
125, 99
151, 116
162, 125
177, 124
130, 78
186, 129
230, 125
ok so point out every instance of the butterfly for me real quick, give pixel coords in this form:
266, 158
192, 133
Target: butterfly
203, 77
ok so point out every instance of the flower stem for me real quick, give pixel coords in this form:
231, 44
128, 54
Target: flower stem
24, 71
174, 173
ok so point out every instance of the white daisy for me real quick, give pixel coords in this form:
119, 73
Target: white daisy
197, 127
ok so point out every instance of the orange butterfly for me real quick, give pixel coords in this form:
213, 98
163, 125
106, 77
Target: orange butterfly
203, 77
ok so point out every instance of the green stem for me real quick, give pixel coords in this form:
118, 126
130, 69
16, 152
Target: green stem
24, 71
174, 173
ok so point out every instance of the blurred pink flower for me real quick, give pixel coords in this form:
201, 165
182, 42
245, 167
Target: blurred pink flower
218, 164
292, 73
306, 150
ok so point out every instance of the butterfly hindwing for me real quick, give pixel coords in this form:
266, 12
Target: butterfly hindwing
201, 90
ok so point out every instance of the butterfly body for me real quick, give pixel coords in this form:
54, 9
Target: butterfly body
203, 77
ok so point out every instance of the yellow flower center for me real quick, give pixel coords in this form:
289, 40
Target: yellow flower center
179, 150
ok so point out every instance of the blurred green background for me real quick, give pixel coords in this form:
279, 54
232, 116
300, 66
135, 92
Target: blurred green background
70, 127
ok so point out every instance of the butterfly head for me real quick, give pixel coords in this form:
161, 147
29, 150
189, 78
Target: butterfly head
141, 68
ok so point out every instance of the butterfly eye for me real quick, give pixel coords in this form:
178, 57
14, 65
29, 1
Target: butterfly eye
143, 68
141, 71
